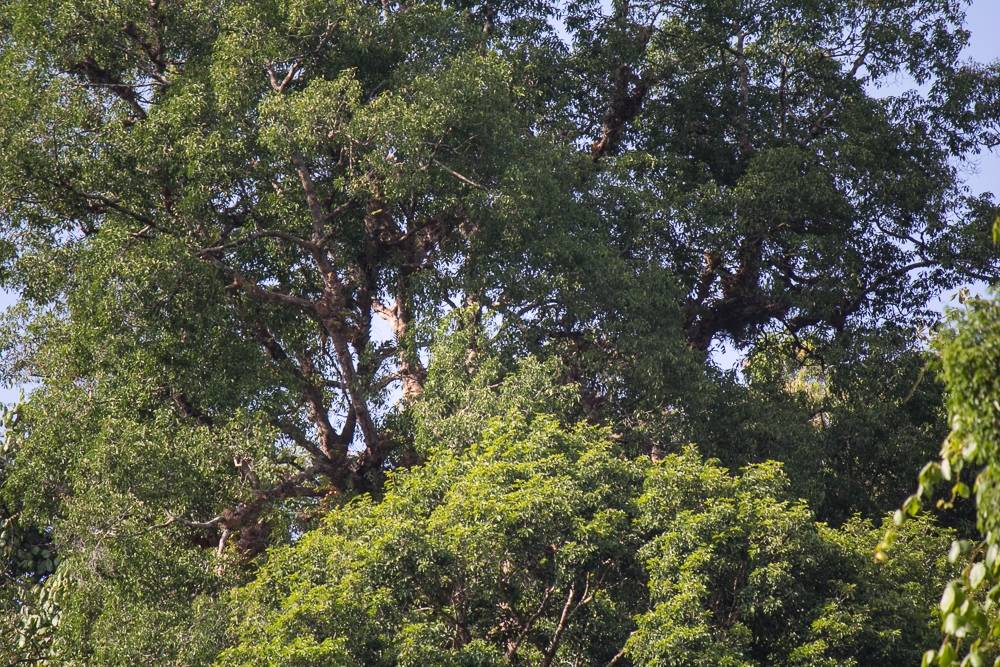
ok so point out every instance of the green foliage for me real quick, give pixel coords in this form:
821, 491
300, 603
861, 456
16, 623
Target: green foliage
537, 545
739, 575
397, 318
125, 522
967, 467
465, 560
850, 423
469, 384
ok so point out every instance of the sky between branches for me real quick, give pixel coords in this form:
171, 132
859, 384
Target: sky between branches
981, 174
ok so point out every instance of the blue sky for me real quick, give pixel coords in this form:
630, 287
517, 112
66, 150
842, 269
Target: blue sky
982, 174
983, 20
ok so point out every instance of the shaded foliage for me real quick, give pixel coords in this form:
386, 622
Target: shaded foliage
291, 273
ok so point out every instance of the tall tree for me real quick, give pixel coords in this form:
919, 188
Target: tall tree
235, 226
772, 176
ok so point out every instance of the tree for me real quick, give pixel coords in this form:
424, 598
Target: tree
967, 466
851, 423
538, 545
236, 227
766, 173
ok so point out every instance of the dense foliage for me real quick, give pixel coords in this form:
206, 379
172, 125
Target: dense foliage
538, 545
970, 353
388, 332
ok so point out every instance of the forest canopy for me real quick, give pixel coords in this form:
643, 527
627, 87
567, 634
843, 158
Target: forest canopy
387, 333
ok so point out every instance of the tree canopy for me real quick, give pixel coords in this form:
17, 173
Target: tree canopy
387, 332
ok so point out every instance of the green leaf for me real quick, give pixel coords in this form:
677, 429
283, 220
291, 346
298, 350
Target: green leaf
949, 598
958, 549
946, 655
976, 575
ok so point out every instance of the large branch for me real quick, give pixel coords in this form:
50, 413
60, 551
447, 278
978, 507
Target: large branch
248, 513
255, 236
628, 91
103, 78
331, 310
264, 294
332, 447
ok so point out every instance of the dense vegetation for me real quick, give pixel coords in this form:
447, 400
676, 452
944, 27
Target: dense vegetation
388, 333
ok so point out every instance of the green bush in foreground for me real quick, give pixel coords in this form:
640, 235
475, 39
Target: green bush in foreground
540, 546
